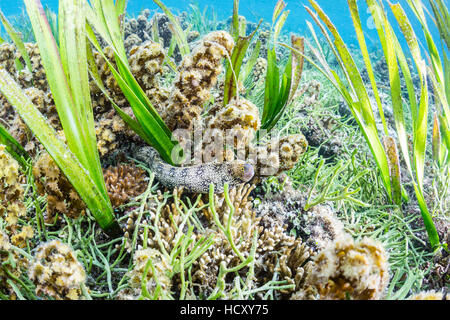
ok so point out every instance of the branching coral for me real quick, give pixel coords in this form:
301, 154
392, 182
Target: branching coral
317, 227
198, 73
61, 196
258, 247
56, 272
350, 270
276, 252
124, 182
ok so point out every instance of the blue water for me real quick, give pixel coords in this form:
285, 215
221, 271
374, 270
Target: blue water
254, 10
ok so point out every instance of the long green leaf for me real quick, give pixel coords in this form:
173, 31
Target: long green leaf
361, 108
248, 67
67, 75
154, 127
298, 43
364, 106
365, 53
279, 7
233, 70
68, 162
73, 53
279, 25
234, 31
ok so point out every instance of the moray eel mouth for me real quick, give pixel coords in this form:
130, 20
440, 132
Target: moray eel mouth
241, 171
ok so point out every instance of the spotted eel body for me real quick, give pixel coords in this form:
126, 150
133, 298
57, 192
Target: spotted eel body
197, 178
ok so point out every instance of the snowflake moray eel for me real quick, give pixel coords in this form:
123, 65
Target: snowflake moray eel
197, 178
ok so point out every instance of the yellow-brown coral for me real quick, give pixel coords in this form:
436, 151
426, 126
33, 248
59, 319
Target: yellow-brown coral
278, 155
20, 239
11, 190
239, 121
198, 73
350, 270
61, 196
146, 63
10, 264
56, 272
427, 295
158, 268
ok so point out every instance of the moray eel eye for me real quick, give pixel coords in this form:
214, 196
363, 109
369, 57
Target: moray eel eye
247, 172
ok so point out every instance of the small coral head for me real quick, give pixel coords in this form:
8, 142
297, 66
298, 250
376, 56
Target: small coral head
242, 171
247, 172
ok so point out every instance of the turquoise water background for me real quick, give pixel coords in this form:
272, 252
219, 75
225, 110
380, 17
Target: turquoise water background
254, 10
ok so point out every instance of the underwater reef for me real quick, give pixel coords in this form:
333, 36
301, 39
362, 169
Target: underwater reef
281, 203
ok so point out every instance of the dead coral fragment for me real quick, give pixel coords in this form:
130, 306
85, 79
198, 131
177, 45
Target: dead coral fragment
56, 272
124, 182
61, 196
349, 269
198, 73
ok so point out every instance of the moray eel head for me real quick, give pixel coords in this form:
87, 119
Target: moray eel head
243, 171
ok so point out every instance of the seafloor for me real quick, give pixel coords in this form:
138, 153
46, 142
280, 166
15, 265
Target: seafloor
321, 227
